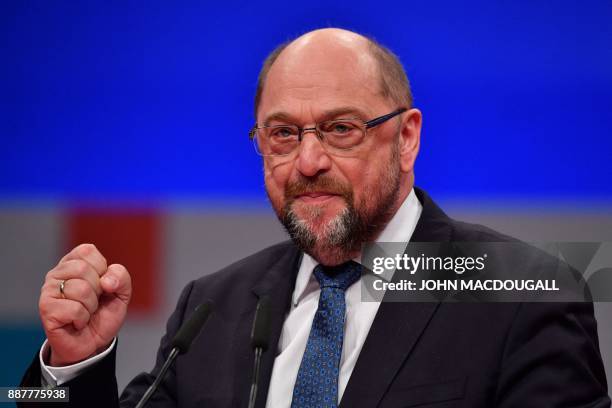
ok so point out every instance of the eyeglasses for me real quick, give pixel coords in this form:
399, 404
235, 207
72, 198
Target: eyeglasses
338, 136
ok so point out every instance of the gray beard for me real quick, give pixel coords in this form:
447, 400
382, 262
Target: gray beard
343, 235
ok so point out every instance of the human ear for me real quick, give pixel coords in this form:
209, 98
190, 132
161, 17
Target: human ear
409, 140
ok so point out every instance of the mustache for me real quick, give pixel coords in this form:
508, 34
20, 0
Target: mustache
318, 184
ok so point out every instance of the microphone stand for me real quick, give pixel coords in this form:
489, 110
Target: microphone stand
173, 354
253, 394
180, 345
259, 341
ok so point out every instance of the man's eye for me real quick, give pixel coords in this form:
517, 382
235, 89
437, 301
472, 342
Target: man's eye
283, 132
341, 128
338, 128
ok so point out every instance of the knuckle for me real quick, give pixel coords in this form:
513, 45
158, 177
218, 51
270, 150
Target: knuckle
85, 249
45, 290
103, 258
80, 289
43, 306
51, 274
48, 310
79, 266
44, 287
74, 309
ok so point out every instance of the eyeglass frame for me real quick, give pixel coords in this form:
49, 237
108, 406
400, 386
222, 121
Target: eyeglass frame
366, 125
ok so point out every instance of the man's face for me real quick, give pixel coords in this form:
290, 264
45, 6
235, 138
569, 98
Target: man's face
330, 204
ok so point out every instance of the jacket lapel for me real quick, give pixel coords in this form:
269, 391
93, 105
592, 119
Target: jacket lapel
278, 285
396, 329
397, 326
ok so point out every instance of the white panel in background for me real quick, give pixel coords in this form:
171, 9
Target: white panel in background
31, 243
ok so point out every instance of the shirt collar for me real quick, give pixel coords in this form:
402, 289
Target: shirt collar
399, 229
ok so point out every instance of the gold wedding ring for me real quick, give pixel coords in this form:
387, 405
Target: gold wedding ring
62, 285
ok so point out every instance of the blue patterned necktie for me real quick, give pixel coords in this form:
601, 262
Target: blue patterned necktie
317, 380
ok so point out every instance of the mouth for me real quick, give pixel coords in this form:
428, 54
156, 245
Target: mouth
315, 197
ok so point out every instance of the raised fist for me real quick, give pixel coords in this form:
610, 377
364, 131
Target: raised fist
82, 305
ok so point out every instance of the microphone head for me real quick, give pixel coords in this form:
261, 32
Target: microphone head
261, 325
190, 329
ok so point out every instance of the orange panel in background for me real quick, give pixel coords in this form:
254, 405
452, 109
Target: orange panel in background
128, 237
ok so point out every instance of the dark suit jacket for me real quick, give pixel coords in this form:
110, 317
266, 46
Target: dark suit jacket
416, 354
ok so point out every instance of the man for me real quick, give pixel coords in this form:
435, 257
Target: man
339, 138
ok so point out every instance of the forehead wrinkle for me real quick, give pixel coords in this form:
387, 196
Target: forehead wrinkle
299, 75
328, 114
316, 102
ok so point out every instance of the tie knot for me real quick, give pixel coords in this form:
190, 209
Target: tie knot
340, 276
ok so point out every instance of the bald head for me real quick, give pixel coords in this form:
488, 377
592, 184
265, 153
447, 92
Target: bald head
328, 48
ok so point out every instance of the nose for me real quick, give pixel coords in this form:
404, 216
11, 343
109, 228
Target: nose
312, 156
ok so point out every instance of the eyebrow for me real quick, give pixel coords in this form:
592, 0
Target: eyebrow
326, 115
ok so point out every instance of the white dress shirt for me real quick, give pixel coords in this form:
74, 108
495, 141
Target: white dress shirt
359, 315
294, 336
56, 376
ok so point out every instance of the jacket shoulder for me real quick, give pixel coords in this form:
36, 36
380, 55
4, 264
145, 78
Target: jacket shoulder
464, 231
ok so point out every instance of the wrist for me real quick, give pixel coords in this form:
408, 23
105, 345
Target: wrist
52, 359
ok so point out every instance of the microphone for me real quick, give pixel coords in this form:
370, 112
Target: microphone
259, 341
188, 331
180, 344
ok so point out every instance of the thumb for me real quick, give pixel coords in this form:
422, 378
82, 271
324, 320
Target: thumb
116, 280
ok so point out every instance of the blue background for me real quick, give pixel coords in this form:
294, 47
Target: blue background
152, 100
